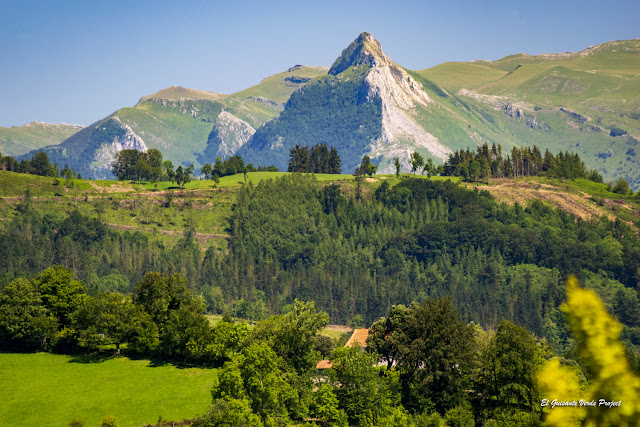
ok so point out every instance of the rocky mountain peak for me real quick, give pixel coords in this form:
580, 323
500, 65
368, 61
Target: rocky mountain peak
400, 96
363, 50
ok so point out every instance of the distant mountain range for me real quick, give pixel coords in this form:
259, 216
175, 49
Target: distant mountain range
586, 102
18, 140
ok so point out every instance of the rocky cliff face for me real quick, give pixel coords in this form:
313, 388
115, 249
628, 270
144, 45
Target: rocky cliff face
228, 135
401, 96
374, 105
125, 139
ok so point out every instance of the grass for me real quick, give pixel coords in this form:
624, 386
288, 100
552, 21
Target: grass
333, 334
50, 390
214, 319
18, 140
275, 87
458, 75
602, 86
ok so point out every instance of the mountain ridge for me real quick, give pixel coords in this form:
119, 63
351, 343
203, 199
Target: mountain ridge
18, 140
517, 100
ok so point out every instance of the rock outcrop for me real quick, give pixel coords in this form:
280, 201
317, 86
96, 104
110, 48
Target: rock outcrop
267, 101
124, 140
227, 136
401, 96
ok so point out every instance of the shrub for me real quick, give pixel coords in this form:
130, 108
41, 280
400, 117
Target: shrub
616, 131
109, 421
621, 187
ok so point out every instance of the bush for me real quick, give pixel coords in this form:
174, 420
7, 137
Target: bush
76, 423
459, 417
109, 421
621, 187
616, 131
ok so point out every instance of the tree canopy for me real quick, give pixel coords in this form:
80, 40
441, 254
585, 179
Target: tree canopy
138, 165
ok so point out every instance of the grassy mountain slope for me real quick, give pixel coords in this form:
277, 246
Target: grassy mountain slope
18, 140
575, 102
457, 75
583, 102
279, 87
177, 121
367, 104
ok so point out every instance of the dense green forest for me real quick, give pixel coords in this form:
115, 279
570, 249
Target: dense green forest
526, 161
293, 238
316, 159
471, 290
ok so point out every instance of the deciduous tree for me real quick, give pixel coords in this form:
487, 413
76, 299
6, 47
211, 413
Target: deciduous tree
416, 161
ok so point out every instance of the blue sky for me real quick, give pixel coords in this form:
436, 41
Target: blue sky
78, 62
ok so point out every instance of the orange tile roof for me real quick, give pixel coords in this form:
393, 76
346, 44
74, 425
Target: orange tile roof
324, 364
358, 338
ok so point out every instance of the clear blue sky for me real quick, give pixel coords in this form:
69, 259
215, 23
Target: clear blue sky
78, 62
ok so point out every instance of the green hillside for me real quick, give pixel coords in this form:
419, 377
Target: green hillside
176, 121
584, 102
18, 140
328, 110
280, 86
458, 75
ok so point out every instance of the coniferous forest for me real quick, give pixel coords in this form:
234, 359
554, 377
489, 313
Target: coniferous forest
463, 294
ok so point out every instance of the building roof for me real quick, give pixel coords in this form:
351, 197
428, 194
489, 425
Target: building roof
358, 338
324, 364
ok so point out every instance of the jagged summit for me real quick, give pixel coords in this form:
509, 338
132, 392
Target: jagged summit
363, 50
400, 94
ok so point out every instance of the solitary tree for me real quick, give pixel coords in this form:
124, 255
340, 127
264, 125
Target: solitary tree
168, 170
429, 168
396, 163
183, 175
112, 319
432, 350
206, 169
366, 167
41, 165
25, 324
125, 165
416, 161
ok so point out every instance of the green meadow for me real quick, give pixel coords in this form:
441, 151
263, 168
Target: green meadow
51, 390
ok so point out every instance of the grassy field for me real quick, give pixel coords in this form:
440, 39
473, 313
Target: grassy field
50, 390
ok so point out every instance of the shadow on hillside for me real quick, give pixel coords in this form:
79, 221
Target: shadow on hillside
97, 357
154, 362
